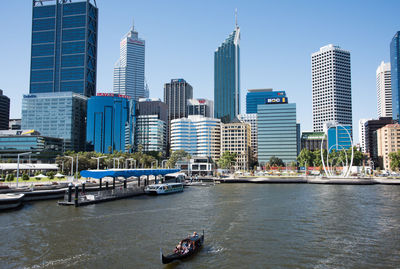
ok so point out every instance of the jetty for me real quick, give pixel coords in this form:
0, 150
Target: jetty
78, 196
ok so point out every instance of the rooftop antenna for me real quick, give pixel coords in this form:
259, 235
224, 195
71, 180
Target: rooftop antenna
236, 24
133, 24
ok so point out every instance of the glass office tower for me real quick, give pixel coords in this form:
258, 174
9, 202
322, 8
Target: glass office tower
257, 97
277, 132
60, 114
110, 123
227, 79
64, 47
395, 75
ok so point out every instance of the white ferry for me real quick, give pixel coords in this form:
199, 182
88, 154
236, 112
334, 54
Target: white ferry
164, 188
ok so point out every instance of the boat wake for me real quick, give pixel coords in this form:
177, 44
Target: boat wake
64, 262
214, 249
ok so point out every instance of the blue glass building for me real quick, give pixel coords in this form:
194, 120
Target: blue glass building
227, 78
338, 136
64, 47
395, 75
277, 132
110, 123
263, 96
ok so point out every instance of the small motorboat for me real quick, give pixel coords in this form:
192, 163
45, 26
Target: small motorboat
186, 248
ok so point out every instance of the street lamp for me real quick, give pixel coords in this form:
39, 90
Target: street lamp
156, 161
98, 160
72, 164
20, 154
130, 159
117, 158
163, 163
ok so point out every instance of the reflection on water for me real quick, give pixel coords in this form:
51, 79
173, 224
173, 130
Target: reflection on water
257, 226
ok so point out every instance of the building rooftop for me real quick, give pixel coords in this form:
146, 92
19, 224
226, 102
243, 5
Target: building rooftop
260, 90
313, 135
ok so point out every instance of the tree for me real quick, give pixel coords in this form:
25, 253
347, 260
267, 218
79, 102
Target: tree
394, 158
176, 156
306, 157
226, 160
275, 161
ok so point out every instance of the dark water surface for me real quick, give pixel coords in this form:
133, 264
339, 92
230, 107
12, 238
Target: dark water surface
246, 226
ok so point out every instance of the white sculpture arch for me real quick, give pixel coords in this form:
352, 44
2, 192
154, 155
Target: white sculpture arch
347, 169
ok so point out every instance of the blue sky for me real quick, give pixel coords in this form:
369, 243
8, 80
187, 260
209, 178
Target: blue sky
278, 38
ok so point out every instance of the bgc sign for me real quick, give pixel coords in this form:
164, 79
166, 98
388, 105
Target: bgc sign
276, 100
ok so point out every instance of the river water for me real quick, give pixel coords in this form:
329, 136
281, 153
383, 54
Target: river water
245, 226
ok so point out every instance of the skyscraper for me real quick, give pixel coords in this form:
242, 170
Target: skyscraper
176, 96
129, 69
227, 77
4, 111
64, 47
395, 74
331, 86
384, 90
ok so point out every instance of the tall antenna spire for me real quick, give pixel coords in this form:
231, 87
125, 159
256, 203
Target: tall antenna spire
133, 24
236, 24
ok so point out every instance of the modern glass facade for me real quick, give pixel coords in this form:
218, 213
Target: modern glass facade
395, 75
151, 133
64, 47
227, 78
277, 132
261, 96
60, 115
4, 111
110, 123
44, 149
338, 137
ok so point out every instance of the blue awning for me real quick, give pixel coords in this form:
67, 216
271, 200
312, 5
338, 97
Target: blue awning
126, 172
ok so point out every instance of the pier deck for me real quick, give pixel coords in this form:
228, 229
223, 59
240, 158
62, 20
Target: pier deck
101, 196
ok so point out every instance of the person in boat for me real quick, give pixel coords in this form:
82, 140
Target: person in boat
178, 248
195, 234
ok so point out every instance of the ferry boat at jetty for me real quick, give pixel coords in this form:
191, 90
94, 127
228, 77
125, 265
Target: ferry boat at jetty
164, 188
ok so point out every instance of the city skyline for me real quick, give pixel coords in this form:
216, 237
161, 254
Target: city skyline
263, 64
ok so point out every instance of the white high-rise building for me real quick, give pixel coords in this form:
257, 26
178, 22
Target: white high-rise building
129, 69
331, 86
384, 90
361, 134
